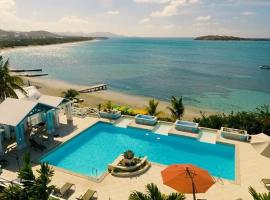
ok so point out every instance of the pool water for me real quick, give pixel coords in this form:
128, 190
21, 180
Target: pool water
91, 151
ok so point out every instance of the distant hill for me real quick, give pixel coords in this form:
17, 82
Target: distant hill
27, 35
95, 34
229, 38
12, 39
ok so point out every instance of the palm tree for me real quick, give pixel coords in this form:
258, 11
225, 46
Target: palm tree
70, 94
177, 108
41, 188
8, 82
153, 193
12, 192
152, 107
26, 175
258, 196
33, 187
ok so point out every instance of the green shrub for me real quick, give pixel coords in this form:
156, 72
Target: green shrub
254, 122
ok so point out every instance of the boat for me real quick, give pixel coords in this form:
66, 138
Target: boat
265, 67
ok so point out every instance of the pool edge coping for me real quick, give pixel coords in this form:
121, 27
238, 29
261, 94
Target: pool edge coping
102, 177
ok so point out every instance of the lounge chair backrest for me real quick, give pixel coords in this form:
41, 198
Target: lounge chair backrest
88, 195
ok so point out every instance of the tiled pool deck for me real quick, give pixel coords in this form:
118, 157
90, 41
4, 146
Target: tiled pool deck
251, 168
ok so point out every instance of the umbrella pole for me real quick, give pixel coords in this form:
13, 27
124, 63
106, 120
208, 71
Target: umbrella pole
192, 182
193, 190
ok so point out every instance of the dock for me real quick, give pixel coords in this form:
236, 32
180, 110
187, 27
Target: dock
25, 70
32, 75
94, 88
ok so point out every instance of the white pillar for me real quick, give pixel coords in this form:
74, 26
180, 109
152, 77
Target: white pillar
56, 117
68, 111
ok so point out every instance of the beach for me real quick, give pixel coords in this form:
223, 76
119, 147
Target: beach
56, 87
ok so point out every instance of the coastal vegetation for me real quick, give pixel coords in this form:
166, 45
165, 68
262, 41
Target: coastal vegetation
153, 193
258, 196
70, 94
33, 187
151, 108
8, 82
177, 108
11, 43
257, 121
228, 38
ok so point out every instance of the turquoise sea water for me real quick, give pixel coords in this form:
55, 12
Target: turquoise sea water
93, 149
219, 75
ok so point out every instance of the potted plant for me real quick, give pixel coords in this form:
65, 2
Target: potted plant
109, 112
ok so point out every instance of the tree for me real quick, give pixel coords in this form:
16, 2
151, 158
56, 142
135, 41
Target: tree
8, 82
41, 188
177, 108
70, 94
153, 193
26, 175
258, 196
12, 192
152, 107
33, 187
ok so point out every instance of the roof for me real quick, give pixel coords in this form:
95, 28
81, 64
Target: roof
50, 100
13, 111
31, 93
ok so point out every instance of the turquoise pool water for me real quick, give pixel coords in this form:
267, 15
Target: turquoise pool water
91, 151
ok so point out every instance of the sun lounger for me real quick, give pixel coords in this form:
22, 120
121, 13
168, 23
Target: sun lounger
88, 195
36, 145
266, 183
64, 189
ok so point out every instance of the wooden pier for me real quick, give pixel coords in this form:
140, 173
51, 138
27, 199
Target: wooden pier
33, 75
26, 70
94, 88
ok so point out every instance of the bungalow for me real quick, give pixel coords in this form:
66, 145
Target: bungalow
17, 116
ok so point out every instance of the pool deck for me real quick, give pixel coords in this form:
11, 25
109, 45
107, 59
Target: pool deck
251, 168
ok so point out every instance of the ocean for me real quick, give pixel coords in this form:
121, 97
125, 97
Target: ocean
216, 75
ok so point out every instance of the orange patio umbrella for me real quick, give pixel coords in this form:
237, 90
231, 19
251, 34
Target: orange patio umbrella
187, 178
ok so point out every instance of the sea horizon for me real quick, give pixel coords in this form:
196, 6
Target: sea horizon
215, 75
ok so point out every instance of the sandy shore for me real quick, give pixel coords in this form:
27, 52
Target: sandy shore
4, 50
55, 88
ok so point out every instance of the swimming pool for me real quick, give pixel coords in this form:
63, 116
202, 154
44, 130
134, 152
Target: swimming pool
92, 150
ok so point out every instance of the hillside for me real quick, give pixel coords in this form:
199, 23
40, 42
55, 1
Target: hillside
27, 35
94, 34
11, 39
229, 38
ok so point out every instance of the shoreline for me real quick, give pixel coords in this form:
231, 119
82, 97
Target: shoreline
56, 87
7, 49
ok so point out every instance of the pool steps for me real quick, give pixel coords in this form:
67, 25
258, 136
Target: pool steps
208, 135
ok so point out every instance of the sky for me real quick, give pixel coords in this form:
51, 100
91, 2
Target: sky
149, 18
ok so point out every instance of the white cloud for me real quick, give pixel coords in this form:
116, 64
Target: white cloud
248, 13
145, 20
7, 6
169, 26
172, 8
10, 21
113, 12
204, 18
151, 1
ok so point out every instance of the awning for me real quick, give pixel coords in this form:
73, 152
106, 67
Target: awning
13, 111
50, 100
